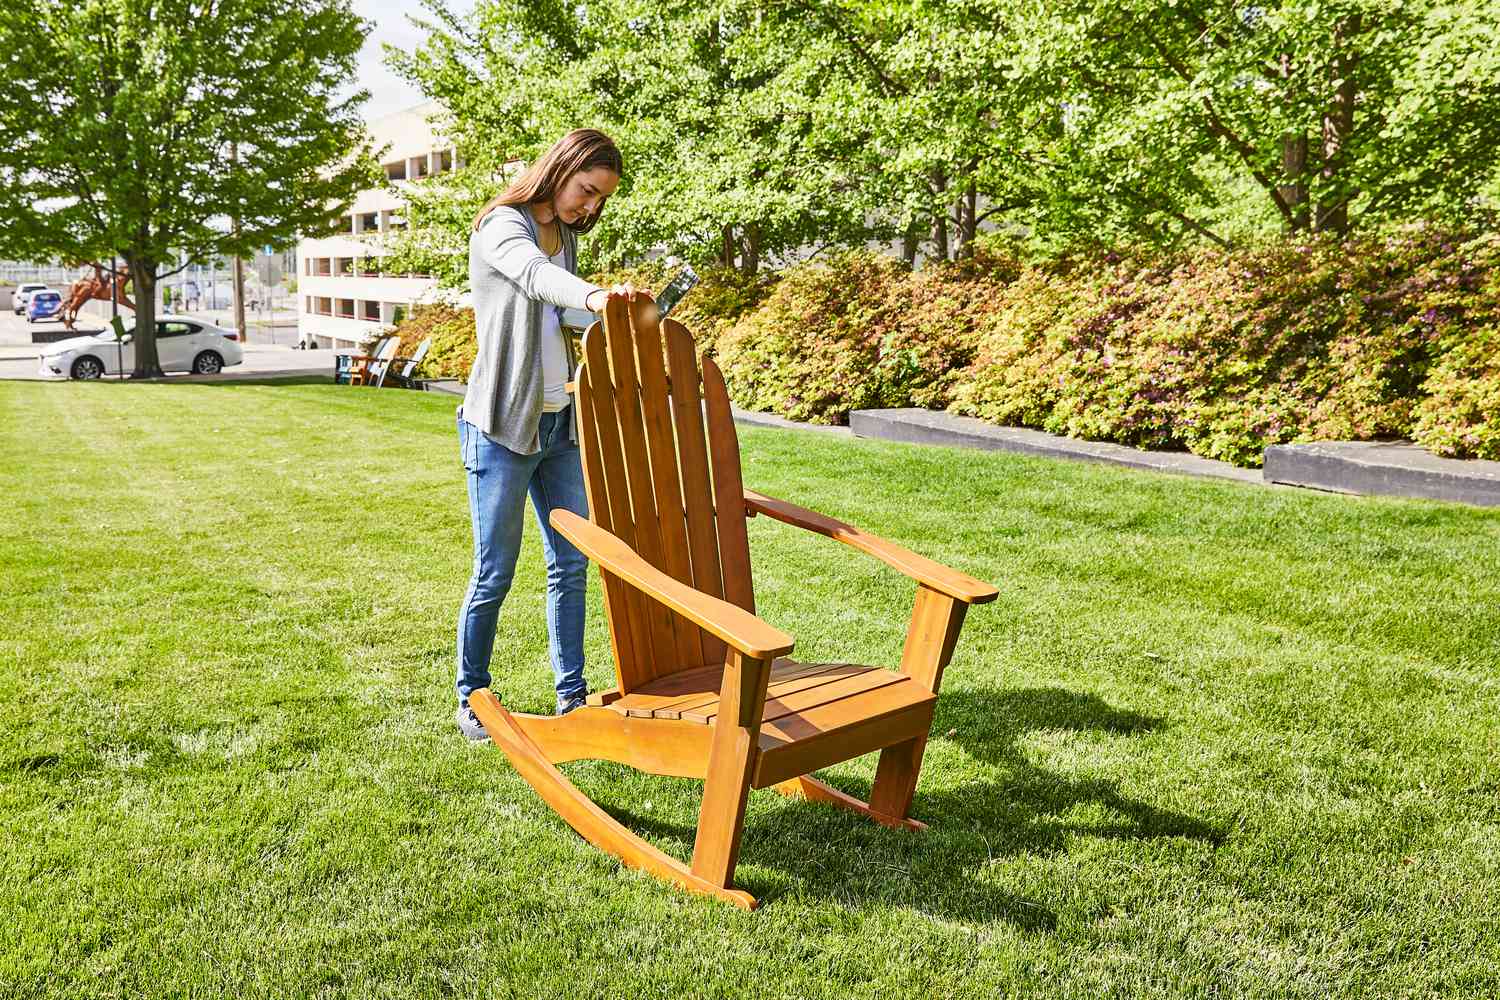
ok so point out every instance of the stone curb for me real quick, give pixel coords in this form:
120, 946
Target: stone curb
1387, 468
1397, 469
918, 426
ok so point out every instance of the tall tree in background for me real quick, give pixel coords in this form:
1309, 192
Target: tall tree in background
914, 98
764, 129
120, 116
1202, 118
714, 170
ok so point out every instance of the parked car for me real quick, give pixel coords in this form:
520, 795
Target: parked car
23, 292
44, 305
182, 345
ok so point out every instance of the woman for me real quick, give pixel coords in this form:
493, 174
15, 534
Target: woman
515, 427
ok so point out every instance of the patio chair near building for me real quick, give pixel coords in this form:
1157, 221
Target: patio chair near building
363, 369
403, 371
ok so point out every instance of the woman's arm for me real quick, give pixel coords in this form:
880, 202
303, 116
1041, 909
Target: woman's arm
507, 246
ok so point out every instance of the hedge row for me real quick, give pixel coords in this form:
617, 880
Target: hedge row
1220, 353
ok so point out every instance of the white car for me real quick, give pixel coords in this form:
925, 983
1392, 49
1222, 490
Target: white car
23, 295
182, 345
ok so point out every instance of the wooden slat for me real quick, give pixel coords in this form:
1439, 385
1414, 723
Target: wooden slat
700, 705
665, 690
661, 444
617, 596
637, 468
729, 491
781, 759
692, 457
835, 687
823, 719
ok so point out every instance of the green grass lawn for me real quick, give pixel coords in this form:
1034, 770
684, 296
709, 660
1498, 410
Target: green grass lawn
1211, 740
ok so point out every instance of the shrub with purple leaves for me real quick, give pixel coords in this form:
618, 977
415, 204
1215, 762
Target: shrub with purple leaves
1218, 352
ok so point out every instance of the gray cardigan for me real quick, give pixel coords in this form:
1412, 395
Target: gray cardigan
512, 281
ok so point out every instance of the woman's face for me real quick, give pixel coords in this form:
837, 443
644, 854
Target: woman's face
583, 193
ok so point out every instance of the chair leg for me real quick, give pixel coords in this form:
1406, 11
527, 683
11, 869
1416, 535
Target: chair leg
896, 780
721, 818
732, 756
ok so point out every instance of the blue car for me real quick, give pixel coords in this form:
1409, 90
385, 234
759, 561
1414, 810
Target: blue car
44, 306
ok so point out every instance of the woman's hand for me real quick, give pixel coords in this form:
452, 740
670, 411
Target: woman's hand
597, 298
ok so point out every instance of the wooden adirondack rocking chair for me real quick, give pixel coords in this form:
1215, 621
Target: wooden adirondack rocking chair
705, 690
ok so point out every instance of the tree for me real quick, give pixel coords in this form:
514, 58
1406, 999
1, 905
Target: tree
714, 170
143, 127
1211, 119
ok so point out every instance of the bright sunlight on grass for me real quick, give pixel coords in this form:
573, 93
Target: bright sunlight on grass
1212, 739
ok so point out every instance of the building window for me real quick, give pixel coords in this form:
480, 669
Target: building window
396, 171
325, 306
442, 161
323, 267
370, 311
369, 222
344, 308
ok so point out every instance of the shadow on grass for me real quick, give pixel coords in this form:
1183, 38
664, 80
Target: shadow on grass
827, 853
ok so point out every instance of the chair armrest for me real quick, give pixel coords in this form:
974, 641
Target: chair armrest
959, 586
736, 626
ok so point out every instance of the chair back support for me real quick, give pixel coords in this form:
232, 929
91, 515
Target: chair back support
416, 357
661, 480
383, 358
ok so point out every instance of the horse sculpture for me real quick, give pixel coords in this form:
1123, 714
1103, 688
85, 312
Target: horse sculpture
98, 286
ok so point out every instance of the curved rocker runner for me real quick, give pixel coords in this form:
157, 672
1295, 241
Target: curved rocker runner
704, 686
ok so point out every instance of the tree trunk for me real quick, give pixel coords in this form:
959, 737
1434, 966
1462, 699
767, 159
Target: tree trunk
969, 212
143, 275
909, 241
750, 256
1294, 165
727, 247
1294, 168
939, 184
1338, 122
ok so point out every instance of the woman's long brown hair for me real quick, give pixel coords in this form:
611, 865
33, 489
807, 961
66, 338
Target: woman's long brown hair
580, 149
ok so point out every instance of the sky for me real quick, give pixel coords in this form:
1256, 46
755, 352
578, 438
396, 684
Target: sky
389, 92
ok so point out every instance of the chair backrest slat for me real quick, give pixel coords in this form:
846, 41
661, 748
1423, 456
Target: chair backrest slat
638, 473
661, 445
692, 453
729, 491
416, 357
609, 506
656, 479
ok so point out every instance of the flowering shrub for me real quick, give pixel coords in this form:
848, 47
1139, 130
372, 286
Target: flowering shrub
1458, 412
1221, 353
1218, 352
453, 342
859, 331
719, 298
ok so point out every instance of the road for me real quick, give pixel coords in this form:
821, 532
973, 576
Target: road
19, 356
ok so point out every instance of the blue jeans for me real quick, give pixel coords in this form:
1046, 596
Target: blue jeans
499, 480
